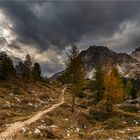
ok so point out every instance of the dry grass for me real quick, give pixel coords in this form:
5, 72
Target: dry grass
20, 99
91, 122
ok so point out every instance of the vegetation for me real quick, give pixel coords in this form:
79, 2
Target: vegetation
6, 66
128, 89
36, 71
114, 90
75, 72
98, 83
92, 108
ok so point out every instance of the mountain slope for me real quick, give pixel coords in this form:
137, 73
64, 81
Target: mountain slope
127, 65
136, 54
96, 55
14, 128
21, 98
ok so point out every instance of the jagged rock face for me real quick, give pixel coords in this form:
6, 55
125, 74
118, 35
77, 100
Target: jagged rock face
136, 54
99, 54
127, 65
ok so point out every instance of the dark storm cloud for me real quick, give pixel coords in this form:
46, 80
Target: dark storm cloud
61, 23
53, 25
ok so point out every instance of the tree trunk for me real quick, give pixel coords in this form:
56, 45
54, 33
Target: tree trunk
98, 96
73, 102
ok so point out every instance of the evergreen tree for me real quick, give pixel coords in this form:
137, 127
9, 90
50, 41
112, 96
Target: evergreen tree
128, 89
133, 93
6, 66
28, 61
114, 90
20, 68
36, 71
75, 72
98, 84
27, 66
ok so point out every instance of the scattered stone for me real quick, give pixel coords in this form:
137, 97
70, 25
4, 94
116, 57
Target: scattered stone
68, 133
132, 138
23, 130
110, 139
77, 130
66, 119
30, 132
121, 131
54, 126
124, 122
11, 94
42, 121
136, 122
128, 129
17, 99
30, 104
37, 131
8, 103
42, 127
36, 106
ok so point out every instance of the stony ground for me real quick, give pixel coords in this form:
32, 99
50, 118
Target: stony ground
19, 99
84, 123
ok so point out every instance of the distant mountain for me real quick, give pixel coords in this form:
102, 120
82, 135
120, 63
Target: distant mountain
136, 54
95, 55
127, 65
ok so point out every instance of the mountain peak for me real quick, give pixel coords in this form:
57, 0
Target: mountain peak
100, 54
136, 54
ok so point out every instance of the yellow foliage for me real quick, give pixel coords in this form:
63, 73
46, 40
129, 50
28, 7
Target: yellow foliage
114, 90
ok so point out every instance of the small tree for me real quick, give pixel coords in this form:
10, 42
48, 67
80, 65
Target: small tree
133, 93
128, 89
98, 84
36, 71
6, 66
75, 72
114, 90
27, 66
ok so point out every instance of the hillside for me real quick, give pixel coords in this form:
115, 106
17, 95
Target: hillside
21, 98
89, 121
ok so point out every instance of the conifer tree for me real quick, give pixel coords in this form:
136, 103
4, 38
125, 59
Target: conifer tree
6, 66
98, 84
27, 66
128, 89
114, 90
36, 71
133, 93
75, 72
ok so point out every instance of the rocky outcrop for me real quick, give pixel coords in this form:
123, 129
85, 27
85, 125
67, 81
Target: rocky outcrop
100, 54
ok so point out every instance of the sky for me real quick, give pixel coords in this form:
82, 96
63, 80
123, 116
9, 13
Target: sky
46, 28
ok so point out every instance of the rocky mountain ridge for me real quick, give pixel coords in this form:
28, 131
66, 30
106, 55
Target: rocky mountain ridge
127, 65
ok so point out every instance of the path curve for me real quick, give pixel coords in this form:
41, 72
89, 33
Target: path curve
16, 127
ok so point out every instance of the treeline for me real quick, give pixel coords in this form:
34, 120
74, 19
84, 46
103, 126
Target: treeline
25, 68
107, 84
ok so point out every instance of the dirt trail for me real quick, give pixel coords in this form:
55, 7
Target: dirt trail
15, 128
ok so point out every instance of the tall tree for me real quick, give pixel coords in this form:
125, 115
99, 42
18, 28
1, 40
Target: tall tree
36, 71
75, 72
6, 66
114, 90
98, 84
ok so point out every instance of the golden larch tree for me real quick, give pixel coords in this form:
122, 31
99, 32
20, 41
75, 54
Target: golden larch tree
114, 89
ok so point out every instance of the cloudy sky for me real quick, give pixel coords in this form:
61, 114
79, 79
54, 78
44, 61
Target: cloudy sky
45, 28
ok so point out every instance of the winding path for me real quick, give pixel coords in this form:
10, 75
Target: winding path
16, 127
